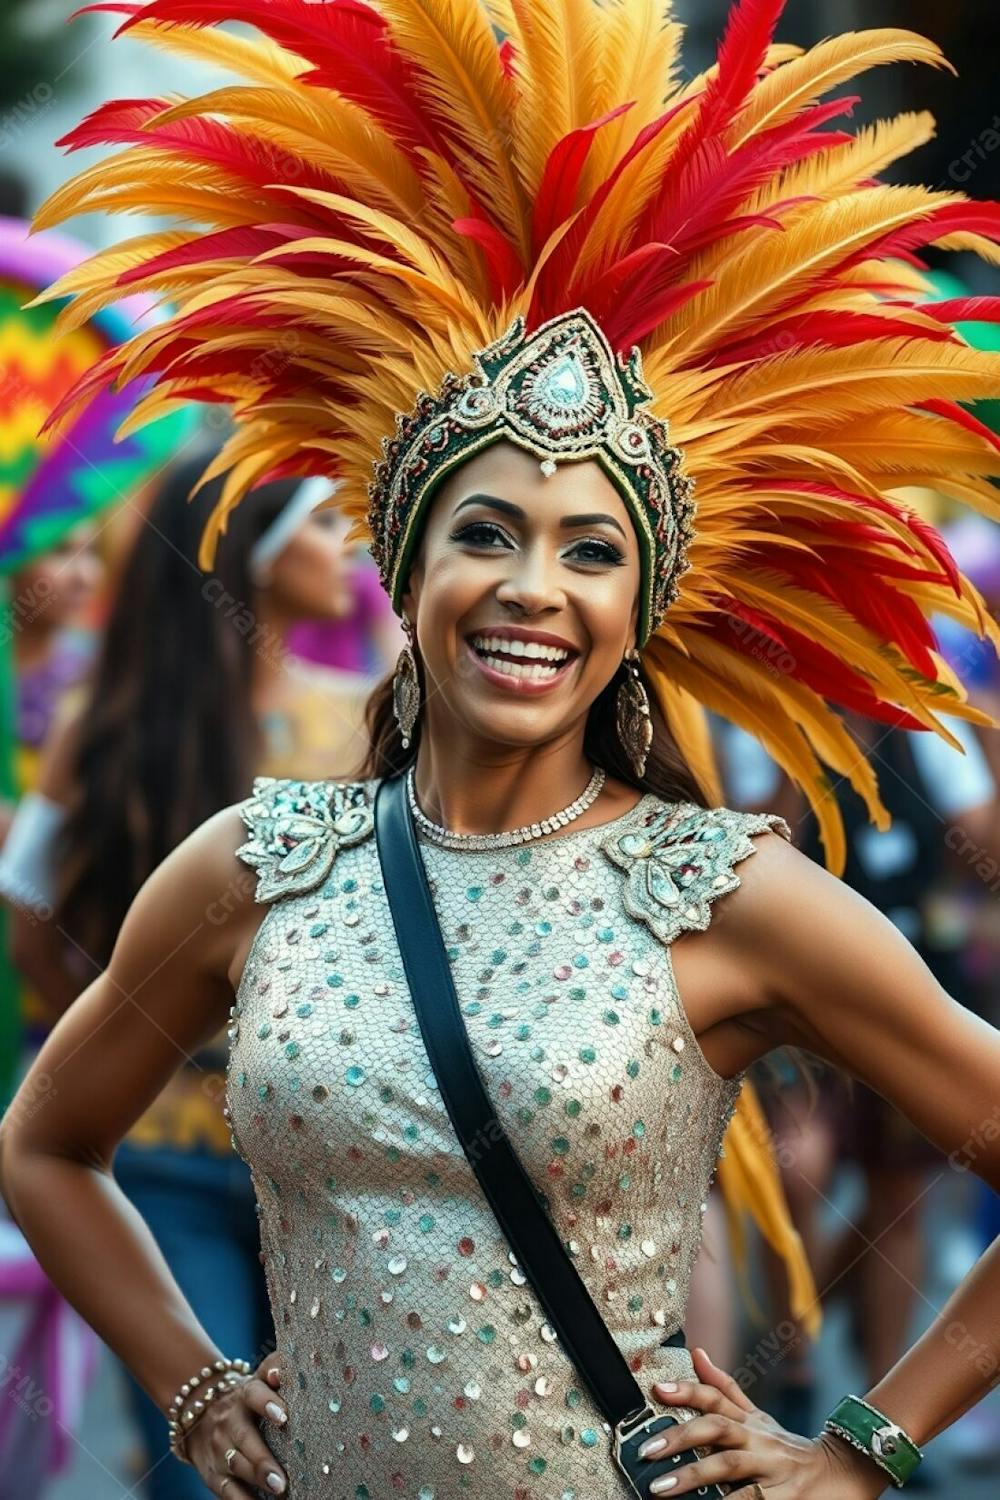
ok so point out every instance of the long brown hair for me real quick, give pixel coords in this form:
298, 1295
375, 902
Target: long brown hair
166, 735
667, 774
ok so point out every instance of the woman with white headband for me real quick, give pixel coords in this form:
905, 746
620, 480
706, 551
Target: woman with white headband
193, 692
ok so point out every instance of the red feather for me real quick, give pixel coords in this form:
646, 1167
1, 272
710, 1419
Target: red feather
243, 242
239, 152
602, 297
868, 599
979, 217
748, 35
348, 45
715, 182
503, 262
557, 193
549, 296
964, 309
933, 542
814, 665
98, 377
831, 328
621, 326
508, 57
111, 122
959, 415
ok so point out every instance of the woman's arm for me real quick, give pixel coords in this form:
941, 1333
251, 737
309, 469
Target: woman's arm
28, 872
837, 978
795, 957
167, 990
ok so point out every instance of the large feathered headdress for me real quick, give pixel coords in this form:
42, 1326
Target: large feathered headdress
394, 184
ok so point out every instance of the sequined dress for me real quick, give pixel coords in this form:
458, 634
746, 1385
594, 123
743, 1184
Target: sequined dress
417, 1360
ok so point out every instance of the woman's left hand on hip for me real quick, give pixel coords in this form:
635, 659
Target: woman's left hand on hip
753, 1449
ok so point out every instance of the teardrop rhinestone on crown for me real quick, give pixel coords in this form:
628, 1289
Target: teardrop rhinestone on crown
562, 394
449, 840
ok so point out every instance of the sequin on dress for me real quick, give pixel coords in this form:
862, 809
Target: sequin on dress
417, 1360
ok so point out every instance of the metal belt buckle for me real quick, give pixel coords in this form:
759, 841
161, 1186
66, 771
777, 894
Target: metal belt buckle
633, 1421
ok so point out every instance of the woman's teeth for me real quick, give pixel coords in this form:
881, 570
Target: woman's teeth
525, 659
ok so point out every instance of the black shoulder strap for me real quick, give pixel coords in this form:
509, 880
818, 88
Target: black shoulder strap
507, 1186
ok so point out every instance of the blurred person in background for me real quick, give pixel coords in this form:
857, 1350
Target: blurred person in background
192, 695
368, 638
52, 651
58, 485
906, 871
57, 489
52, 646
968, 906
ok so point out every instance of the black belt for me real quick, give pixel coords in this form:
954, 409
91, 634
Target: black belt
509, 1190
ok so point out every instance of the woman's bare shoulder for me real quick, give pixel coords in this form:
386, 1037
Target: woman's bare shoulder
780, 880
201, 896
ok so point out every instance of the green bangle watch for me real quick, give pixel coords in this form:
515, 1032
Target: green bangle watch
872, 1432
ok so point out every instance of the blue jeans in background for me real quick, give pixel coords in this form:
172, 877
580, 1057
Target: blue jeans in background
201, 1210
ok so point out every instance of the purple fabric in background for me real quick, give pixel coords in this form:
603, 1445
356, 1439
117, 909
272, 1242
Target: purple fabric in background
40, 688
347, 644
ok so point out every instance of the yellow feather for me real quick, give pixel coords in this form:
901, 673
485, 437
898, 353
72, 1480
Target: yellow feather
454, 48
770, 266
93, 284
980, 494
639, 55
558, 77
840, 380
442, 294
446, 198
152, 180
841, 168
753, 703
251, 57
688, 724
751, 1184
977, 243
787, 90
302, 122
904, 441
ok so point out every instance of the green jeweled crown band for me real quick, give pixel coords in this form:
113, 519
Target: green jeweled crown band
872, 1432
560, 393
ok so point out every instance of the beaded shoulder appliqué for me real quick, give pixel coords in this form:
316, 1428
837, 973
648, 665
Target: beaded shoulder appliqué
297, 829
679, 858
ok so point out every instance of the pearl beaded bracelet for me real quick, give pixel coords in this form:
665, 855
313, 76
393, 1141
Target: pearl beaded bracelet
182, 1417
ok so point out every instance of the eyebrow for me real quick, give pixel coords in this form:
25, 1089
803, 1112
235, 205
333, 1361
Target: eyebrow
592, 518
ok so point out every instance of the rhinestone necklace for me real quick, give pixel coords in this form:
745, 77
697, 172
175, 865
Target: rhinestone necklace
449, 840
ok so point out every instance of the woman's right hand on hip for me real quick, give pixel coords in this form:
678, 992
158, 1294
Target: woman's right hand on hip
226, 1446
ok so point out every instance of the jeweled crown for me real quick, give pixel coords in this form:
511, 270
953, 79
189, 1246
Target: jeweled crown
560, 393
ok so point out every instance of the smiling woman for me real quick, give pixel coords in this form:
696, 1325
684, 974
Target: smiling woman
552, 566
502, 269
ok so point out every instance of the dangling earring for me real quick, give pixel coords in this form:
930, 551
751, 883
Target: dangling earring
635, 727
406, 688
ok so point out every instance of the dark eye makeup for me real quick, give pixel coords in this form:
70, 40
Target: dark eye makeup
486, 533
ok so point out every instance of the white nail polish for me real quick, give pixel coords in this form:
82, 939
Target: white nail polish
275, 1412
661, 1486
276, 1483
